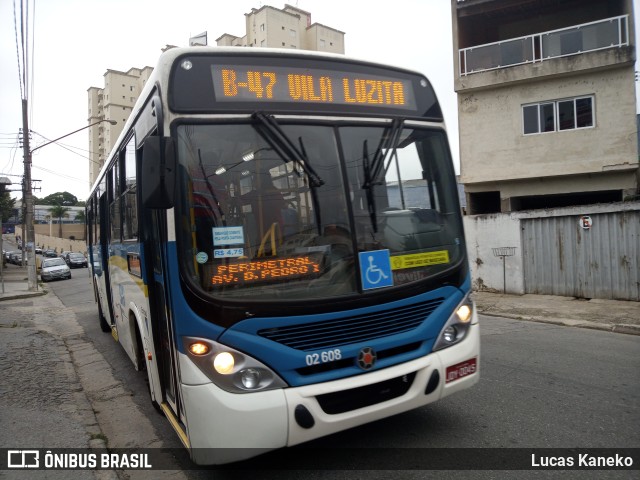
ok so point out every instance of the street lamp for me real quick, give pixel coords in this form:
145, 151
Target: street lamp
28, 200
112, 122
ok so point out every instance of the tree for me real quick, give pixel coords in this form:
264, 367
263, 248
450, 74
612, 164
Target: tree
58, 212
6, 206
60, 198
80, 216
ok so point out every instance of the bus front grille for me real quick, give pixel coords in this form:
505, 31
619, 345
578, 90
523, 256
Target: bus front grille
353, 329
348, 400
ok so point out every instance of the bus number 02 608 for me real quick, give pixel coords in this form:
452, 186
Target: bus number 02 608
324, 357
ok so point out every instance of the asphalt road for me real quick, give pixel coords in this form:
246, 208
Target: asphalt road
542, 386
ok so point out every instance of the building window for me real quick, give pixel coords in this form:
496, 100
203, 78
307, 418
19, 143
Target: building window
567, 114
322, 43
263, 43
262, 27
539, 118
292, 33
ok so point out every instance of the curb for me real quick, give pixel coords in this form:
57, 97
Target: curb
18, 296
621, 328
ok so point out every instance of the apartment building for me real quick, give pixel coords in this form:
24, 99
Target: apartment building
546, 102
290, 27
113, 102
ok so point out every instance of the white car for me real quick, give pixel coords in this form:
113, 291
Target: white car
53, 269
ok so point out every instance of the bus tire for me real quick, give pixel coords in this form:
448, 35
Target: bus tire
104, 325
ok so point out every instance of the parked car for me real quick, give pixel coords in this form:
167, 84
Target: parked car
50, 253
15, 258
38, 250
76, 260
53, 269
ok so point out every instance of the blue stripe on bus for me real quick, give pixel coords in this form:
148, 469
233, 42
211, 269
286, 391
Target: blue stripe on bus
292, 364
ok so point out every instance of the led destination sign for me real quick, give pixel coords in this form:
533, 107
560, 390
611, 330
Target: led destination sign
264, 270
235, 83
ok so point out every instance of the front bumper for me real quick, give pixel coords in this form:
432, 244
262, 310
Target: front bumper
225, 427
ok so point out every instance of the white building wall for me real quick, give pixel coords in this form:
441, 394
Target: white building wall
485, 232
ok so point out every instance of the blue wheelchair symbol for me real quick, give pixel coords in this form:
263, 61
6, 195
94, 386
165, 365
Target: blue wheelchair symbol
375, 269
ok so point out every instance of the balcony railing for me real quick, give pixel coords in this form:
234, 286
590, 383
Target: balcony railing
588, 37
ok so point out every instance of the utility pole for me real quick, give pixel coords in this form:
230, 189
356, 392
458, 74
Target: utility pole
28, 234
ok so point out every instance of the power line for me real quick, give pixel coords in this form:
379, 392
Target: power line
61, 175
15, 28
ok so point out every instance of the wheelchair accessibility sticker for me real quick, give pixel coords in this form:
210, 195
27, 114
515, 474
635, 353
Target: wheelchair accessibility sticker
375, 269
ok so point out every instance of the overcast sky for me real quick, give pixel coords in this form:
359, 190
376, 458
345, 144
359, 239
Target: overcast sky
73, 43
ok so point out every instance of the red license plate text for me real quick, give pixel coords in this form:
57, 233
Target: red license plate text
460, 370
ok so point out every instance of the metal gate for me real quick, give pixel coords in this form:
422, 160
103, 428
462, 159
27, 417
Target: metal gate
595, 256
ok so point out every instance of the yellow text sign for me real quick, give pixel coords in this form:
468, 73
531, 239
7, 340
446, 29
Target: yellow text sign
415, 260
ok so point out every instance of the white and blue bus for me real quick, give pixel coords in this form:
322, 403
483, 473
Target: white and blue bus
277, 240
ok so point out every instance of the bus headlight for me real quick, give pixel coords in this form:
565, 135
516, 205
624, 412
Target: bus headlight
250, 378
223, 363
456, 328
231, 369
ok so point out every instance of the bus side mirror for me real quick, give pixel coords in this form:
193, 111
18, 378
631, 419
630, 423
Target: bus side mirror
158, 173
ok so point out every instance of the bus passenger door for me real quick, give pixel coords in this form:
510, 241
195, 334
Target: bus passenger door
159, 304
105, 241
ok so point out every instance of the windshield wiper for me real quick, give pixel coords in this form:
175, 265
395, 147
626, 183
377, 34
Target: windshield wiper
373, 168
387, 148
272, 133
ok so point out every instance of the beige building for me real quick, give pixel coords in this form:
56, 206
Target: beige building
290, 27
546, 102
113, 102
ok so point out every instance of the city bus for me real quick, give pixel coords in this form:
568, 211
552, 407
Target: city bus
276, 239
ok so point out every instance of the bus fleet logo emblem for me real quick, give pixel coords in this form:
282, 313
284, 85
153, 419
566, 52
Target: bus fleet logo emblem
23, 459
366, 358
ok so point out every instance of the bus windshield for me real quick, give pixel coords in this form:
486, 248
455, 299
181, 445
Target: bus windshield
282, 211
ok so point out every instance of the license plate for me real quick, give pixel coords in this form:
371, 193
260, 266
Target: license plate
460, 370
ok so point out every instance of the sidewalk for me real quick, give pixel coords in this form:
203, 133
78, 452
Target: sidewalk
56, 380
609, 315
16, 283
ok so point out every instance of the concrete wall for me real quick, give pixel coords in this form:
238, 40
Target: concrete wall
485, 232
494, 148
58, 244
